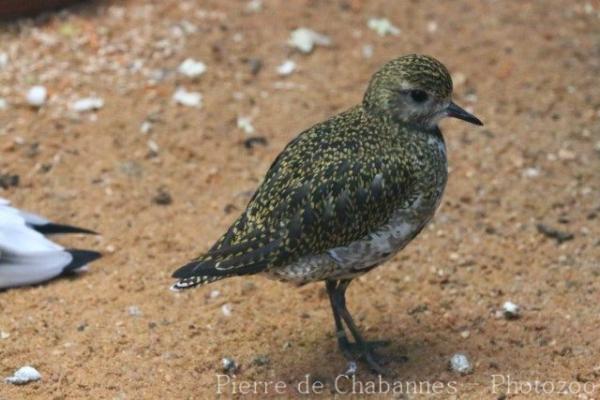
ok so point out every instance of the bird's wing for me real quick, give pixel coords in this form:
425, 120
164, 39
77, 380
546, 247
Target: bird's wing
17, 237
320, 193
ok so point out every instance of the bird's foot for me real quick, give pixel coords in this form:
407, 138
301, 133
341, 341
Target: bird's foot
364, 351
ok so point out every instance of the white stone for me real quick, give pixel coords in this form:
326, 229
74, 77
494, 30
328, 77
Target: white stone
226, 310
153, 146
188, 99
254, 6
36, 96
511, 310
245, 124
531, 172
146, 127
228, 364
192, 68
3, 60
305, 39
87, 104
383, 27
134, 311
3, 104
24, 375
286, 68
432, 26
460, 363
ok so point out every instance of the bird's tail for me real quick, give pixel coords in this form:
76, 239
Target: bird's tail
81, 258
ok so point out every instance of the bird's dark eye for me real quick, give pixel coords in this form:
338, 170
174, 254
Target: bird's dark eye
419, 96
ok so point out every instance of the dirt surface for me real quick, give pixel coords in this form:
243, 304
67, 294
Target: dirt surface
161, 181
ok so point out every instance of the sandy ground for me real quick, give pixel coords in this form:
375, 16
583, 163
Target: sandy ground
528, 69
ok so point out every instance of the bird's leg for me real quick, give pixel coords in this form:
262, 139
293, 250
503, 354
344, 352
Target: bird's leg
340, 332
364, 348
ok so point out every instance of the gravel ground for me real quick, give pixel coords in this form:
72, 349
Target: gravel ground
111, 149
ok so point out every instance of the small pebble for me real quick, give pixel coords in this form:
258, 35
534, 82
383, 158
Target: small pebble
153, 147
162, 197
245, 124
3, 60
134, 311
192, 68
383, 27
511, 310
24, 375
367, 51
3, 104
188, 99
9, 180
531, 173
261, 360
228, 364
460, 363
4, 335
565, 154
36, 96
559, 236
146, 127
226, 310
254, 6
286, 68
250, 142
256, 65
305, 39
214, 294
432, 26
87, 104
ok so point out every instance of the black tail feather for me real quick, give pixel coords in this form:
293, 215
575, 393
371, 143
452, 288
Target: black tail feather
81, 258
51, 228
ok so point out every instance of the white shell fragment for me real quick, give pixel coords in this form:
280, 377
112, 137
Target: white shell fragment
245, 124
188, 99
460, 363
226, 310
24, 375
192, 68
3, 60
511, 310
134, 311
87, 104
305, 39
254, 6
383, 27
36, 96
286, 68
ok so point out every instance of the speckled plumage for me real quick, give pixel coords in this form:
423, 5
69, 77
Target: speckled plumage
335, 184
346, 194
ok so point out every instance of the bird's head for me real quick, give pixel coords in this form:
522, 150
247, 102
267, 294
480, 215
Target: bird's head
415, 89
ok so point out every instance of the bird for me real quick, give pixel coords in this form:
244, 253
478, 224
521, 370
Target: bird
345, 195
27, 257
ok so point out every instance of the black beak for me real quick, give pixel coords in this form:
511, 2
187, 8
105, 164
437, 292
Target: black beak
455, 111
